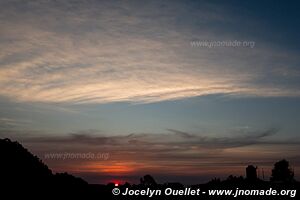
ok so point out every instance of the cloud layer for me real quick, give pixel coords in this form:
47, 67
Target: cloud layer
171, 153
91, 52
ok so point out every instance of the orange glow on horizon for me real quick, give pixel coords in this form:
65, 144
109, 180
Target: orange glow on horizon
116, 169
111, 168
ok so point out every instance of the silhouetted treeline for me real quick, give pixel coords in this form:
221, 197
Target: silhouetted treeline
25, 175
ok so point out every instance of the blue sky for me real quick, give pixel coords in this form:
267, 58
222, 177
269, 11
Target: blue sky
127, 71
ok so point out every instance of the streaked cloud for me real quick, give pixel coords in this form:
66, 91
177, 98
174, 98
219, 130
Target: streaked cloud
92, 52
12, 124
179, 140
173, 152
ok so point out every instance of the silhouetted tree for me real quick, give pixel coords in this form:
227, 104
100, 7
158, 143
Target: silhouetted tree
282, 172
233, 179
251, 174
148, 181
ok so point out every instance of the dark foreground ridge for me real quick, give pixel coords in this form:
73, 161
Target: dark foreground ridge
23, 175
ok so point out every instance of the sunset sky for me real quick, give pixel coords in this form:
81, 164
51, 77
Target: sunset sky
124, 78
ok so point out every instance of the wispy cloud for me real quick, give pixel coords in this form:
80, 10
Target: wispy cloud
9, 123
180, 140
173, 152
91, 52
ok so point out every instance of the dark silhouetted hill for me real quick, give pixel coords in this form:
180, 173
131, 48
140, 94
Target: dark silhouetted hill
22, 172
18, 165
